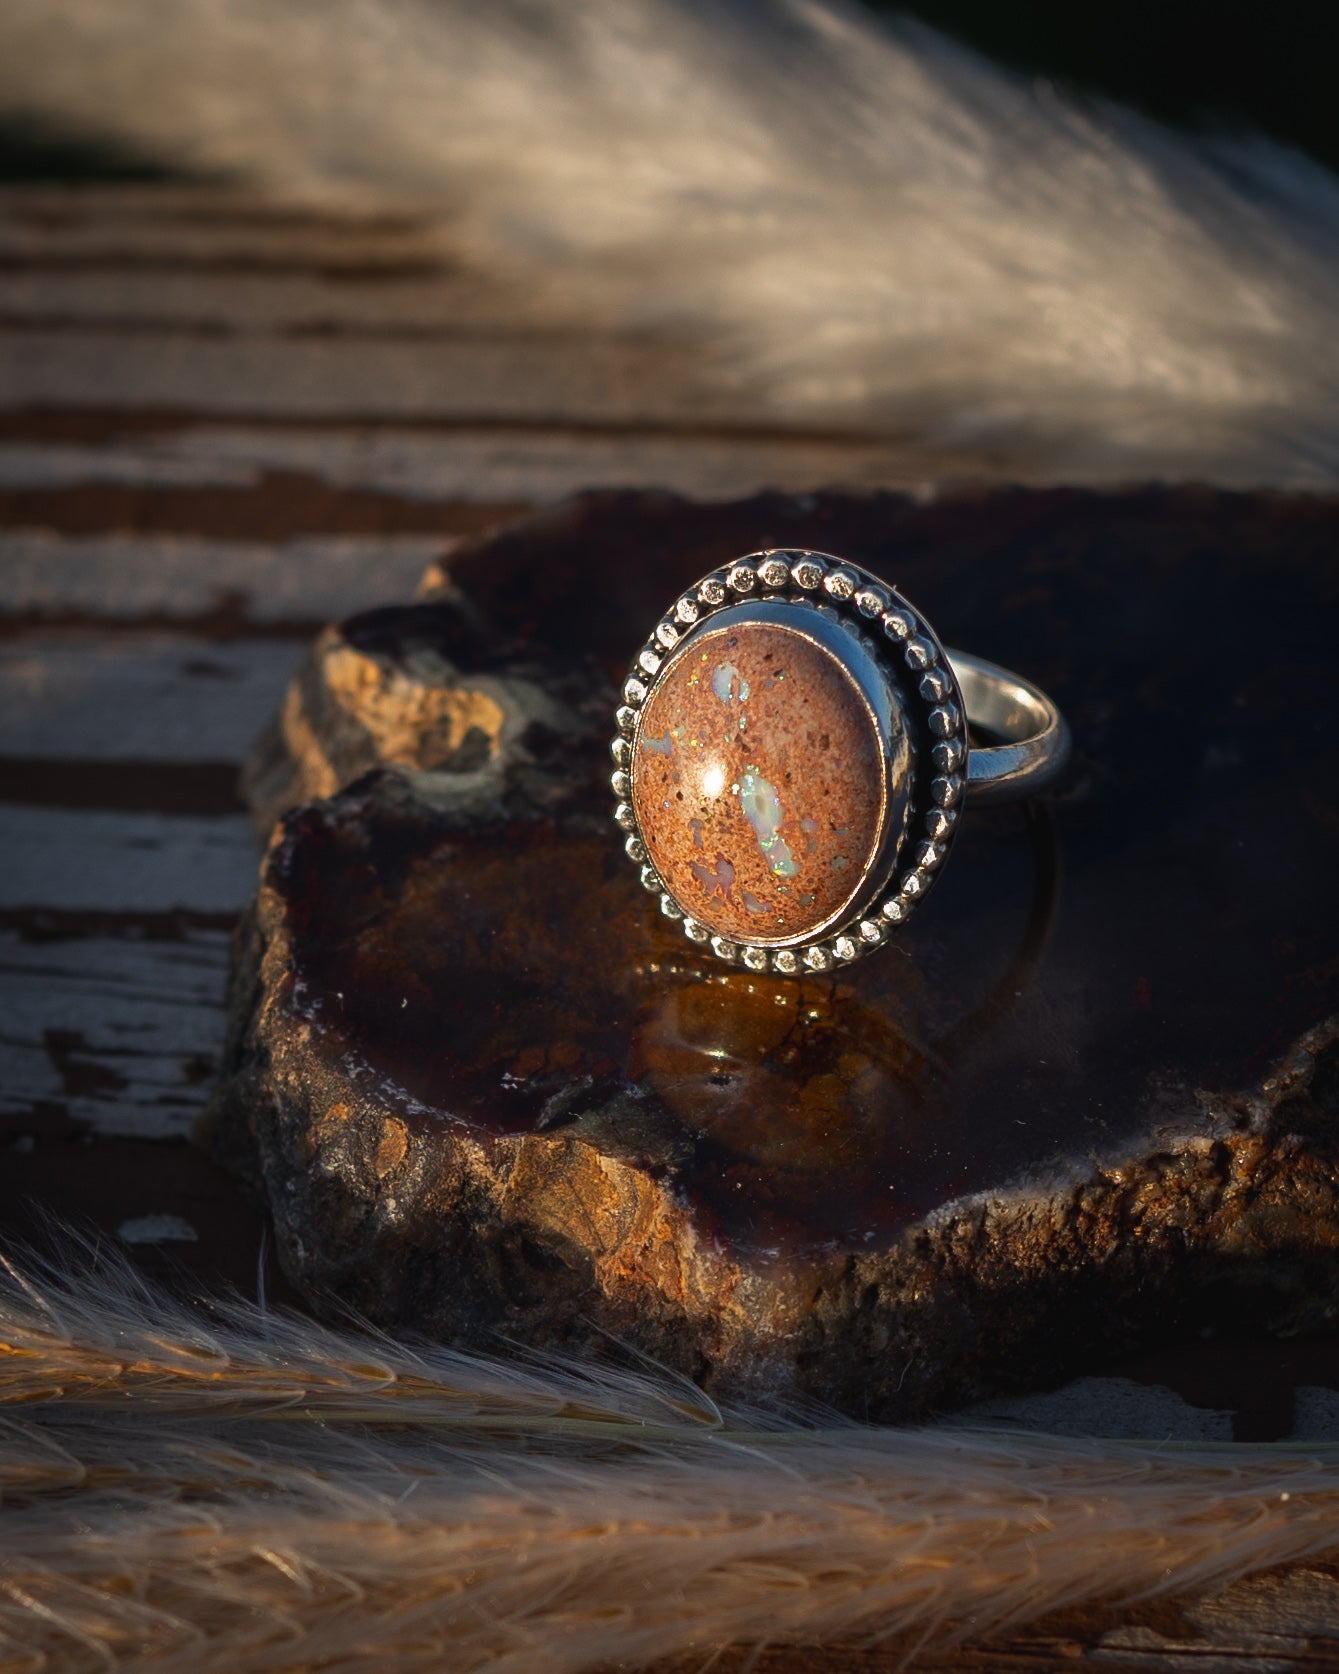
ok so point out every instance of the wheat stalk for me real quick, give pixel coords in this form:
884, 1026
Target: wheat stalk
205, 1487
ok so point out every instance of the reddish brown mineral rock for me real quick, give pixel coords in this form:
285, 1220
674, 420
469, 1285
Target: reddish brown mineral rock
486, 1088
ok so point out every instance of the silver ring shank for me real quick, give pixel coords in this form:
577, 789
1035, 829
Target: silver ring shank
1035, 738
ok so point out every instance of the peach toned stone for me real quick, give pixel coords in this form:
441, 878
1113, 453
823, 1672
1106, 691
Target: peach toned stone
758, 783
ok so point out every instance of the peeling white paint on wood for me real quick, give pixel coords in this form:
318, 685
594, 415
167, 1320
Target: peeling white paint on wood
30, 465
101, 861
156, 697
117, 1032
178, 577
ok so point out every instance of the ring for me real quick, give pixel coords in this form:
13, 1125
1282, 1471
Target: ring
793, 757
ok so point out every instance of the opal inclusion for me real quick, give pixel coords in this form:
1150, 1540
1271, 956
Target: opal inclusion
764, 773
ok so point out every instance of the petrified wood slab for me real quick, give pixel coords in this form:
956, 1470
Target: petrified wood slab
1091, 1095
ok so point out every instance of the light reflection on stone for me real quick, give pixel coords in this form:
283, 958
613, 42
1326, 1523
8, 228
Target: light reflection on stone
764, 831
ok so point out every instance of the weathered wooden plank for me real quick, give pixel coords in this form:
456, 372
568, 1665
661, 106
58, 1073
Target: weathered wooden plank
141, 698
296, 302
215, 263
462, 466
116, 1032
1316, 1413
114, 862
498, 465
207, 228
30, 466
1280, 1612
179, 787
281, 507
597, 379
189, 202
135, 577
1103, 1406
1281, 1622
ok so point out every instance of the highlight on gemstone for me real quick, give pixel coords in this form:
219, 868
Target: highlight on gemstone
759, 780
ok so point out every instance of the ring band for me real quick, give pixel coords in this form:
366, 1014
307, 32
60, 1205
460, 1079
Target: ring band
793, 755
1034, 747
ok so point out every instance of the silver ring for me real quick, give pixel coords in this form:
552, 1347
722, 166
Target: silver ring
793, 757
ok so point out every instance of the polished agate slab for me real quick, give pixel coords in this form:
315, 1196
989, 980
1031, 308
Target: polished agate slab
770, 771
1091, 1100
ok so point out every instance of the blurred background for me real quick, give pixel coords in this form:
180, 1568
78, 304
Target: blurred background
1229, 66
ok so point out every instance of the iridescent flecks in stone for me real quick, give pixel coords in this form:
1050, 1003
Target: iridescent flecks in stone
757, 779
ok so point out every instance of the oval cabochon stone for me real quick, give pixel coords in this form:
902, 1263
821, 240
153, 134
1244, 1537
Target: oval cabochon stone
767, 769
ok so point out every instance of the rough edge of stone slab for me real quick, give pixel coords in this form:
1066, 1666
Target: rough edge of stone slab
562, 1240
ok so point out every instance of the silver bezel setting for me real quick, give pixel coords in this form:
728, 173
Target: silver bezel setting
909, 654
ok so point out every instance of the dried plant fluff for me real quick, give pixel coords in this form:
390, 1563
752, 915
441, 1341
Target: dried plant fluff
218, 1489
840, 221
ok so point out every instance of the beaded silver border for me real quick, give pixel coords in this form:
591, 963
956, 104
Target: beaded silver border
899, 637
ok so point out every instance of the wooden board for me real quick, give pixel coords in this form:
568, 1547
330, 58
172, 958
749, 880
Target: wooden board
475, 460
221, 423
115, 1032
87, 695
209, 587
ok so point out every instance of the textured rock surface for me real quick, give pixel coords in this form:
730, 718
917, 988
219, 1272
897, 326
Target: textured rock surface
484, 1086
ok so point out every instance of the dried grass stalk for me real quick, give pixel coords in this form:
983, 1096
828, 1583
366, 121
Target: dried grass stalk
216, 1487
